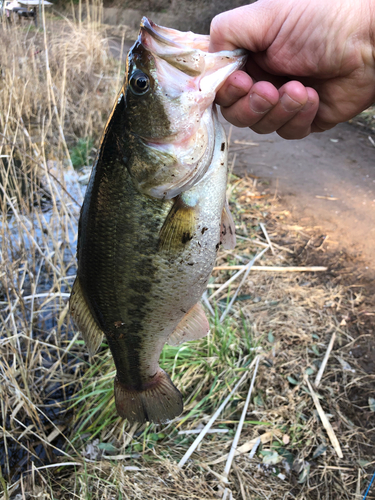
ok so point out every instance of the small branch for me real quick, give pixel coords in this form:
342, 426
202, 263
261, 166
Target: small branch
263, 227
240, 424
326, 423
208, 426
263, 244
248, 269
250, 446
207, 304
325, 360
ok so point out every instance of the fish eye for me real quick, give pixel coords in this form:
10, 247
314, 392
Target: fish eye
139, 83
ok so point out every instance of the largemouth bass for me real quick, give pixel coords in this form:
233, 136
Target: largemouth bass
154, 215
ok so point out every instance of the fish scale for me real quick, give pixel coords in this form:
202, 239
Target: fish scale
153, 218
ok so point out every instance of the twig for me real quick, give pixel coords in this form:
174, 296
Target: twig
228, 282
254, 448
330, 198
207, 427
227, 492
358, 488
325, 360
263, 244
249, 446
246, 143
263, 227
276, 269
240, 424
211, 431
328, 427
248, 269
207, 304
60, 464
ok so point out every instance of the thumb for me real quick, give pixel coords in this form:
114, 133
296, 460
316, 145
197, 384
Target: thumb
252, 27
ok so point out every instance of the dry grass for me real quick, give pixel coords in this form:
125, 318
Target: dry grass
59, 433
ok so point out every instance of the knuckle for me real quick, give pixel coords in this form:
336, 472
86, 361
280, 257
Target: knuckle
216, 26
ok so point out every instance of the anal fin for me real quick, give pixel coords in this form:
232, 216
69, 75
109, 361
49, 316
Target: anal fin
193, 326
81, 314
228, 229
158, 402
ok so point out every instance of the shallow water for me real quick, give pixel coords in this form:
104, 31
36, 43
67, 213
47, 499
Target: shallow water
39, 249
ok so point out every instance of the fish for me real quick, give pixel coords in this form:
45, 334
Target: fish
154, 215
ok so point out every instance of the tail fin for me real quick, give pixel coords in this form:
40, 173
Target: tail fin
160, 402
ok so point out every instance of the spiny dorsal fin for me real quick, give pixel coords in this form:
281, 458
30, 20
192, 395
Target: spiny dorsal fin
91, 332
194, 325
160, 401
228, 229
178, 228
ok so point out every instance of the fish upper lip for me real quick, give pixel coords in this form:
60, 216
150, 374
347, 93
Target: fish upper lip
149, 27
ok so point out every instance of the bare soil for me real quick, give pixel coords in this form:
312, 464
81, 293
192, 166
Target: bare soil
325, 185
326, 181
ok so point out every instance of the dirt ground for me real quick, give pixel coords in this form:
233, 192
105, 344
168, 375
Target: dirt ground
326, 181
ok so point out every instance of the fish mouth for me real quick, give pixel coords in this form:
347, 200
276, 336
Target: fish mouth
188, 53
175, 38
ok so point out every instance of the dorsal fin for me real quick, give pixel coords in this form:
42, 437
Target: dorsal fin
81, 314
194, 325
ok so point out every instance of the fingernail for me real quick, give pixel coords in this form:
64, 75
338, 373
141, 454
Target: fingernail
290, 104
258, 104
235, 91
308, 105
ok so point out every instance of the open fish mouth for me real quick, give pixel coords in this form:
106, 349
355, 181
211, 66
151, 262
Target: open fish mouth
188, 52
175, 38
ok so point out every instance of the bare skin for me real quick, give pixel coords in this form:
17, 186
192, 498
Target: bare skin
311, 64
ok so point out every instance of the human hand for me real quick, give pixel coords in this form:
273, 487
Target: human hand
311, 64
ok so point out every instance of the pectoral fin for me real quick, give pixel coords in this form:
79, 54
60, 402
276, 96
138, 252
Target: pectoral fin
178, 228
91, 332
193, 326
228, 229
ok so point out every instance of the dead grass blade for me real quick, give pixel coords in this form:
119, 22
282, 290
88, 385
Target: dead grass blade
240, 424
328, 427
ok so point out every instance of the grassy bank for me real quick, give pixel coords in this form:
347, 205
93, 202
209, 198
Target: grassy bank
60, 437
